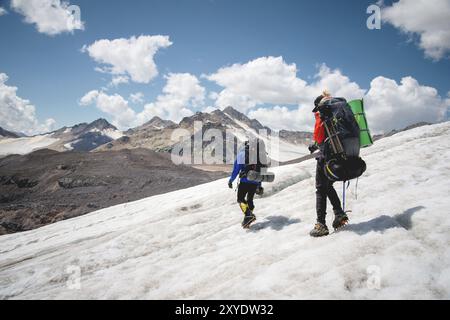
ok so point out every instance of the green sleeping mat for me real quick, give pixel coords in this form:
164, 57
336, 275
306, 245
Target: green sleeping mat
358, 110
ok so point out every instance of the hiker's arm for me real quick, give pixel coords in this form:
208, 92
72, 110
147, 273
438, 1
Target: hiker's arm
319, 130
236, 170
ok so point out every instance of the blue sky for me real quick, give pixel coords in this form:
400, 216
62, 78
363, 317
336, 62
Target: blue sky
53, 73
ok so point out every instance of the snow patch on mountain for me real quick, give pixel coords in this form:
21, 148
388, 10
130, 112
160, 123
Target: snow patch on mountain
113, 134
81, 137
25, 145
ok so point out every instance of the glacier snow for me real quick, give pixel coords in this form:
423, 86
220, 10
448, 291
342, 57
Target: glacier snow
189, 244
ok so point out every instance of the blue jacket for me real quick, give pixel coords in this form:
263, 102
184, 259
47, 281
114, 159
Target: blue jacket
239, 165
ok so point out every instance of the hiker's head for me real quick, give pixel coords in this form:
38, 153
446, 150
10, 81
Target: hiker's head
320, 100
317, 101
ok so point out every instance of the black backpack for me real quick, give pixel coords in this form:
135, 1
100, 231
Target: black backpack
342, 146
255, 147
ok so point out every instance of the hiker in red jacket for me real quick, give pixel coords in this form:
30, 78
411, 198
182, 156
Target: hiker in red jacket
324, 187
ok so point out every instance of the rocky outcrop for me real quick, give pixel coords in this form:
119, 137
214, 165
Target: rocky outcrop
47, 186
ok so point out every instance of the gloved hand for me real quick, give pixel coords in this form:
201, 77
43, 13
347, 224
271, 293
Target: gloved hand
230, 184
259, 191
313, 147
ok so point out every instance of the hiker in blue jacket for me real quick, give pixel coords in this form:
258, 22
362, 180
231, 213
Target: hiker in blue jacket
246, 188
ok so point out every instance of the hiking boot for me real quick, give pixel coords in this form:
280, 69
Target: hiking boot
248, 219
340, 220
320, 230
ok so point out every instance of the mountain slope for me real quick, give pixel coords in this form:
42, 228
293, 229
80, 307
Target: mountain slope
7, 134
188, 243
25, 145
85, 136
155, 123
46, 186
81, 137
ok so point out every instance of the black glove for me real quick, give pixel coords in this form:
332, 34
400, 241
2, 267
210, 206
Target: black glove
259, 191
230, 184
313, 147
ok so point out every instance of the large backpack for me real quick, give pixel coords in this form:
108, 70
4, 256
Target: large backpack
255, 155
256, 162
342, 146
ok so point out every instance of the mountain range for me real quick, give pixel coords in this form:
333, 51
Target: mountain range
155, 135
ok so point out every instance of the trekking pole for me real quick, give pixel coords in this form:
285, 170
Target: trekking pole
343, 196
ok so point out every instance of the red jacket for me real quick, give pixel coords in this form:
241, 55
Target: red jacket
319, 130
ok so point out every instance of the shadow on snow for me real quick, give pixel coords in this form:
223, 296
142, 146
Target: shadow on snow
276, 223
384, 222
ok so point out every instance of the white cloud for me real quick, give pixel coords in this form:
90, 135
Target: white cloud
133, 57
137, 97
300, 118
252, 86
3, 11
116, 81
263, 80
181, 94
51, 17
336, 83
114, 105
17, 114
208, 109
270, 80
213, 95
390, 105
429, 20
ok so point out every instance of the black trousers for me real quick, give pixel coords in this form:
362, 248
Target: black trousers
246, 193
324, 191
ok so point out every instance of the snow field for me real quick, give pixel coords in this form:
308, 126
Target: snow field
189, 244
